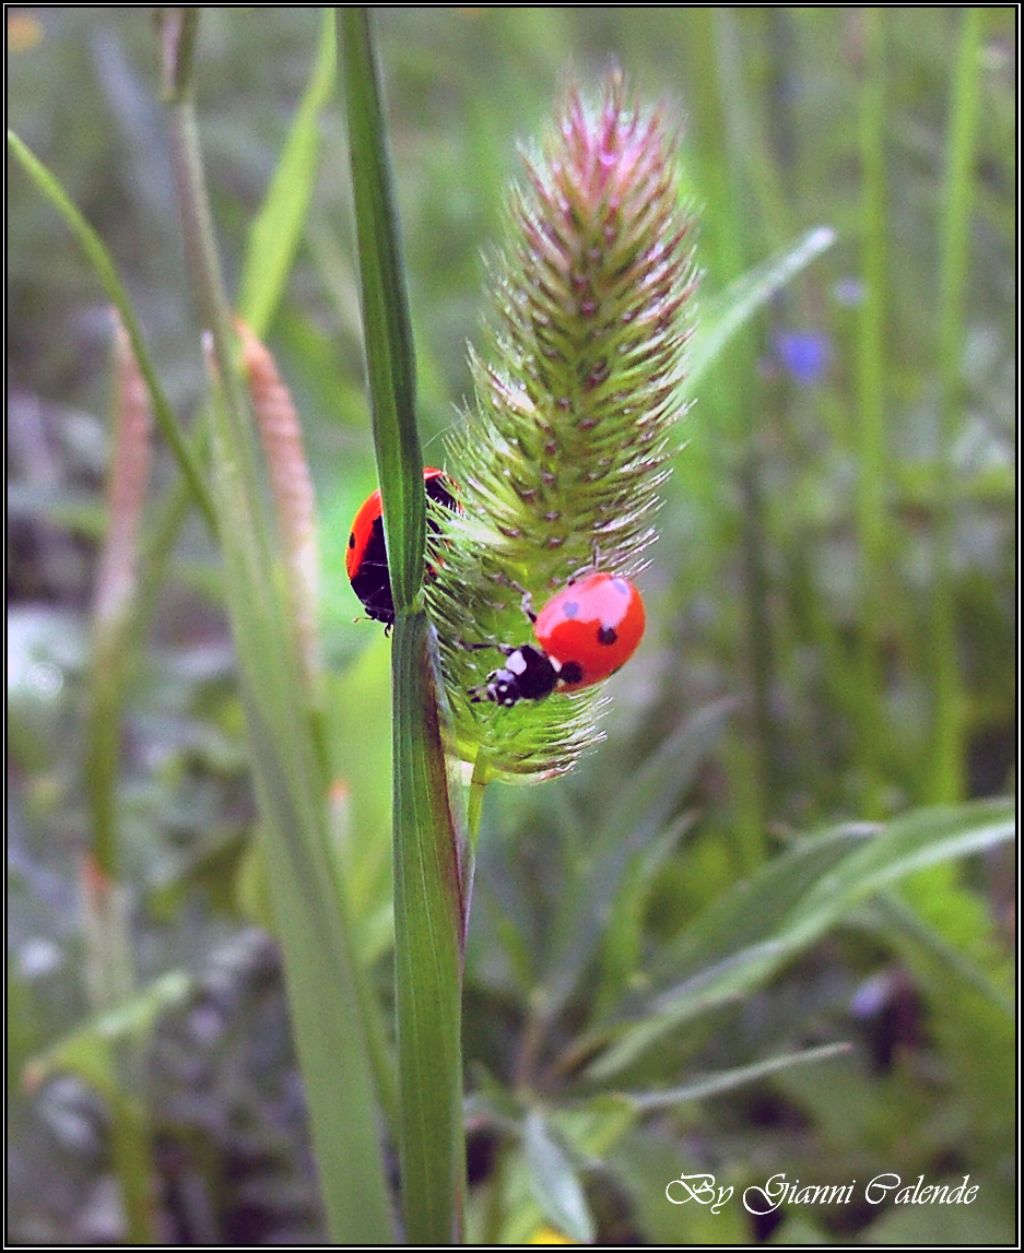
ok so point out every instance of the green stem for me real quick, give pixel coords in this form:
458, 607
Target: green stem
759, 641
103, 741
475, 808
323, 992
871, 371
109, 956
725, 157
494, 1205
381, 1055
132, 1158
197, 222
110, 982
159, 545
387, 328
428, 891
947, 775
428, 952
474, 814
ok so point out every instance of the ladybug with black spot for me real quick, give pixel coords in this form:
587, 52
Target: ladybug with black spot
584, 634
366, 559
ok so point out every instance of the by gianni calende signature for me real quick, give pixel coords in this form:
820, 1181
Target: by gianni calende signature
779, 1190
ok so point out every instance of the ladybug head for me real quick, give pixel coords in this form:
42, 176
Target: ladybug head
528, 674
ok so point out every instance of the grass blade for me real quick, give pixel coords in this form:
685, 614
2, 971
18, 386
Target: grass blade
726, 1080
109, 953
106, 272
269, 253
85, 1050
428, 906
725, 315
428, 913
277, 229
947, 761
743, 938
554, 1182
385, 306
871, 422
320, 977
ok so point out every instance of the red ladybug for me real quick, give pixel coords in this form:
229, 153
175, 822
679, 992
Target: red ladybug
366, 559
584, 633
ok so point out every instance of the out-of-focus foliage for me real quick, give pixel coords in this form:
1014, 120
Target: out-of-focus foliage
607, 904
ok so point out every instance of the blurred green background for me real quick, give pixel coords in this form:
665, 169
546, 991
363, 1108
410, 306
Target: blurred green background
831, 608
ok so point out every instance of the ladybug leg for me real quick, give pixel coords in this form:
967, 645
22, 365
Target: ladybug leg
478, 694
592, 567
526, 603
506, 650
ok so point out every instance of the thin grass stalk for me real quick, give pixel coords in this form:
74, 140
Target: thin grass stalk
946, 782
760, 142
428, 892
102, 264
378, 1040
871, 400
278, 226
310, 914
109, 960
752, 772
111, 981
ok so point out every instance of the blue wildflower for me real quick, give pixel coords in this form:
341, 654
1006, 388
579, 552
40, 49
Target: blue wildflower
804, 354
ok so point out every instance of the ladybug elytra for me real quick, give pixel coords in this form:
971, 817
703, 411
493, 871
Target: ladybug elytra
366, 558
584, 634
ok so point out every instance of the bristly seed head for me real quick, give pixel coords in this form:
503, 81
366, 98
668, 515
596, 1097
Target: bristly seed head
565, 449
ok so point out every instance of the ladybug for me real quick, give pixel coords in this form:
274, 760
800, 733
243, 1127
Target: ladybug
585, 633
366, 559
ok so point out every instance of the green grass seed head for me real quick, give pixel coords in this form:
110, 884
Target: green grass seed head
576, 389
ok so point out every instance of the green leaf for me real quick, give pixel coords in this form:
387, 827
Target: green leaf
726, 1080
310, 914
924, 837
622, 941
428, 913
554, 1182
361, 751
584, 1133
725, 315
872, 420
947, 755
106, 272
741, 940
385, 306
276, 231
87, 1051
905, 930
428, 893
618, 843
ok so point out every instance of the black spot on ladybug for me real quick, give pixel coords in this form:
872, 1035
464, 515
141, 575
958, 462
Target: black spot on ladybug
571, 672
571, 608
351, 539
607, 635
621, 586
